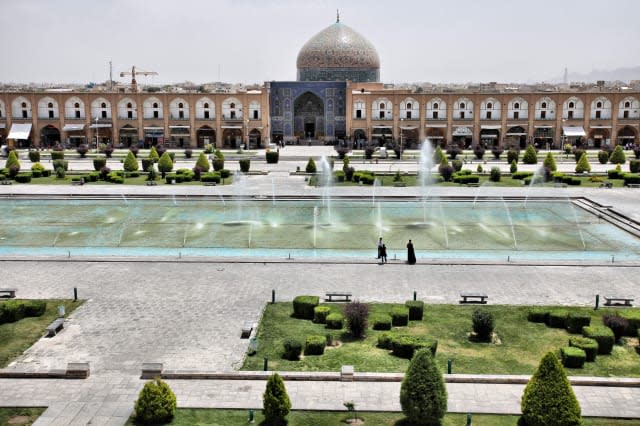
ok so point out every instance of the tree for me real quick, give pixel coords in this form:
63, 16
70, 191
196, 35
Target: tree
153, 154
276, 403
530, 155
550, 162
513, 167
12, 160
548, 398
357, 314
130, 163
202, 162
438, 155
311, 166
423, 396
165, 164
156, 403
583, 164
617, 156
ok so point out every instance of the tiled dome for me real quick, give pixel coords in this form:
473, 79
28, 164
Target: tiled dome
338, 47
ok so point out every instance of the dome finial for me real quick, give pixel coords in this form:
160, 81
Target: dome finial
337, 16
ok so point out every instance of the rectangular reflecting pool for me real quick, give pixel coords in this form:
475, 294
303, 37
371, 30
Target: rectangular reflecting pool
488, 229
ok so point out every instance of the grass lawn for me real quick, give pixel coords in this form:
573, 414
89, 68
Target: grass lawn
522, 343
193, 417
16, 337
19, 416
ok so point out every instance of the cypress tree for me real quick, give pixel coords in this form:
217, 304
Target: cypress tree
548, 398
583, 164
12, 160
276, 403
550, 162
311, 166
153, 154
530, 155
423, 396
202, 162
130, 163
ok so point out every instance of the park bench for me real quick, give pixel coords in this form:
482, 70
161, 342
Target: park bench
633, 185
151, 183
56, 325
9, 292
615, 300
606, 185
6, 182
560, 185
209, 183
247, 326
343, 296
473, 184
473, 297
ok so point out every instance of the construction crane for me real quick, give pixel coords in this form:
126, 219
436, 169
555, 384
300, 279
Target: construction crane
133, 73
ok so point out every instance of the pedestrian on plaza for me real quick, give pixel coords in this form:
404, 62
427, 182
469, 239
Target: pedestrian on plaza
411, 254
383, 253
380, 244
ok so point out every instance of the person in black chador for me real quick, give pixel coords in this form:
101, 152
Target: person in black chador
383, 253
380, 244
411, 254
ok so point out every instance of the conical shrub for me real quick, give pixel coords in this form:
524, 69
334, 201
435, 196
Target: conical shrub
203, 162
530, 155
12, 160
130, 163
583, 164
156, 403
550, 162
618, 156
276, 403
548, 398
423, 396
153, 154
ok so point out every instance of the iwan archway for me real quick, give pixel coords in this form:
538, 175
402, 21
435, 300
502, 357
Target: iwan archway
308, 112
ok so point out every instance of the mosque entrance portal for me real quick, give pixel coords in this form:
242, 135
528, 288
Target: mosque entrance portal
308, 110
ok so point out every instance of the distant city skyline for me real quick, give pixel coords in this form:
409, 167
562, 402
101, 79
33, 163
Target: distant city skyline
250, 41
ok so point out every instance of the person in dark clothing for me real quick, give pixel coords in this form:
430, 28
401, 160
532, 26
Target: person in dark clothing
383, 253
411, 254
380, 244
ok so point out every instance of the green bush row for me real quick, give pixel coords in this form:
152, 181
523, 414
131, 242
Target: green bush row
15, 310
303, 306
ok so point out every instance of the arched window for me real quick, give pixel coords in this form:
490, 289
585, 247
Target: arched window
409, 105
435, 105
103, 105
462, 105
381, 105
232, 105
544, 105
627, 104
489, 105
24, 105
516, 105
572, 105
599, 105
129, 105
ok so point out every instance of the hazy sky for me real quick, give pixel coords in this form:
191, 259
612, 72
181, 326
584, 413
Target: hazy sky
252, 41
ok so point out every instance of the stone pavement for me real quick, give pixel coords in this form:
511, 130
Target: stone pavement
188, 313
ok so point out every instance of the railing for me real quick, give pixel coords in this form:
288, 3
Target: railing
127, 118
382, 118
359, 118
437, 119
206, 119
178, 118
73, 118
48, 118
462, 119
229, 118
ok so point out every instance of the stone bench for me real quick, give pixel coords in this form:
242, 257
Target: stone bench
633, 185
7, 182
209, 183
606, 185
473, 298
9, 292
55, 326
247, 327
151, 183
617, 301
343, 296
473, 184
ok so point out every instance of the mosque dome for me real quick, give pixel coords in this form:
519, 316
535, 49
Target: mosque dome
338, 53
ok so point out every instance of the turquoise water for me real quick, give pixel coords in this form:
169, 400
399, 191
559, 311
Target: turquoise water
307, 228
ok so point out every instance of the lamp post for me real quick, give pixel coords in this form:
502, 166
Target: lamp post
97, 140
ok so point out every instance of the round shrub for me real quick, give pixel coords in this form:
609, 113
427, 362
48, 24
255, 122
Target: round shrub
495, 175
483, 324
108, 151
57, 155
456, 164
603, 157
548, 398
572, 357
335, 321
478, 151
453, 151
156, 403
399, 316
575, 322
634, 166
616, 323
537, 315
188, 153
315, 345
446, 171
512, 155
497, 152
225, 173
320, 314
423, 395
530, 155
23, 177
601, 334
303, 306
272, 157
416, 309
245, 164
275, 401
381, 322
34, 156
557, 319
82, 149
618, 156
99, 162
356, 314
385, 340
589, 346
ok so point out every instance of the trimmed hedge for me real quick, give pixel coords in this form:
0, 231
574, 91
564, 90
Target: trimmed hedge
272, 157
399, 316
603, 335
15, 310
572, 357
292, 350
335, 321
405, 346
381, 322
575, 322
633, 316
615, 174
315, 345
521, 175
557, 319
210, 177
385, 341
589, 346
24, 177
416, 309
320, 314
632, 178
538, 315
303, 306
466, 179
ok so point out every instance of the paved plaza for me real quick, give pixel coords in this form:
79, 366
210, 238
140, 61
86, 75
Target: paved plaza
187, 313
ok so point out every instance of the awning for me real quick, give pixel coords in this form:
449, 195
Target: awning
180, 127
231, 127
488, 136
626, 137
19, 131
600, 127
573, 131
513, 134
490, 127
462, 131
154, 129
382, 127
435, 137
73, 127
100, 126
129, 129
408, 127
438, 126
546, 126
